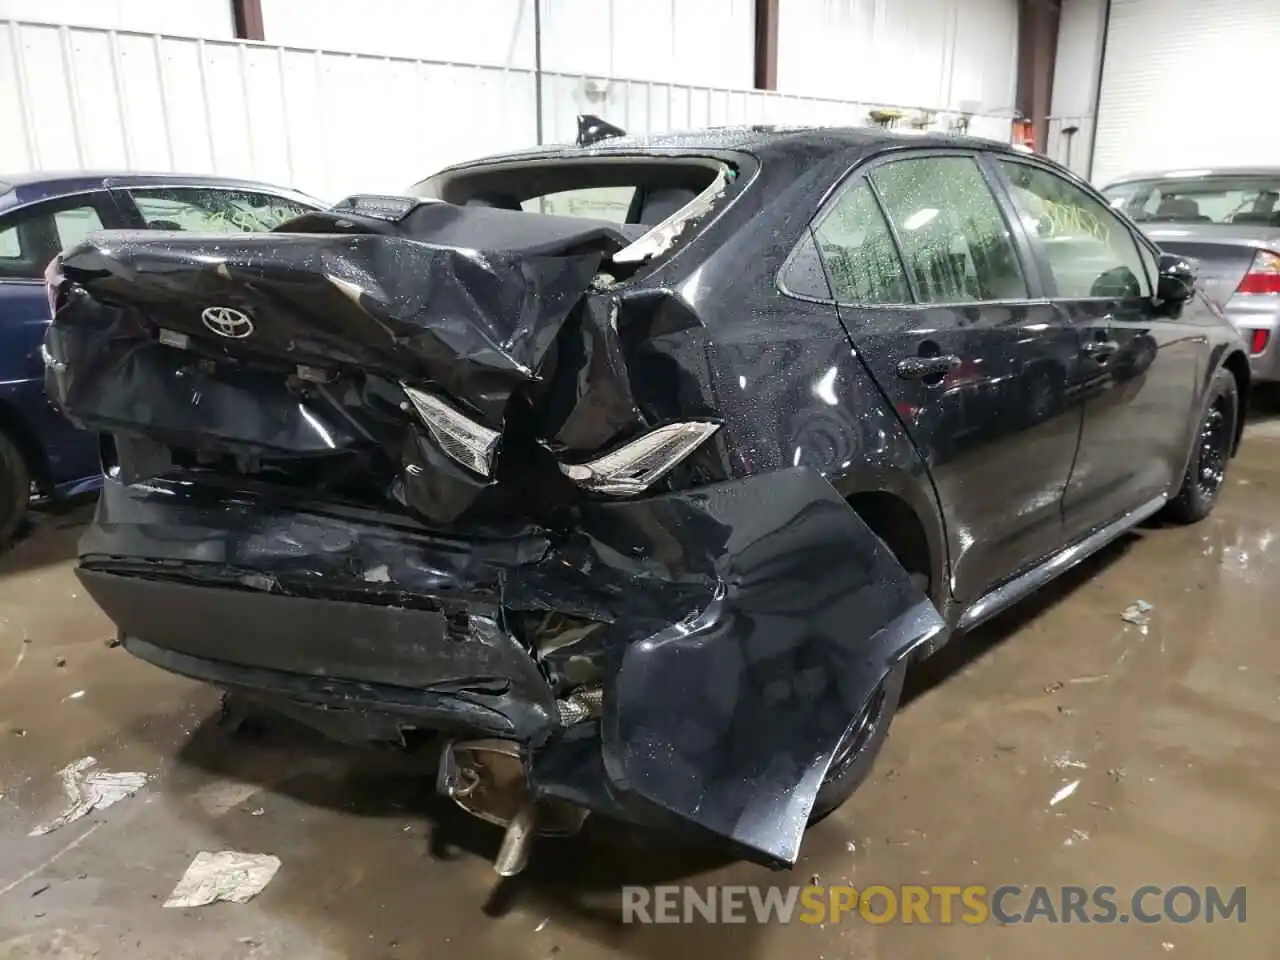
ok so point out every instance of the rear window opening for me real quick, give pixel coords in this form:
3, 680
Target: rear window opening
634, 195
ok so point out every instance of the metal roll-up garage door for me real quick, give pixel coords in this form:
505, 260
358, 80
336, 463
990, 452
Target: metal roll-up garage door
1188, 83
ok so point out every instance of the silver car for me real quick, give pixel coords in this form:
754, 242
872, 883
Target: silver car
1227, 222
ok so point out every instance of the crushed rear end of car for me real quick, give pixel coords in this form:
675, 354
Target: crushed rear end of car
393, 471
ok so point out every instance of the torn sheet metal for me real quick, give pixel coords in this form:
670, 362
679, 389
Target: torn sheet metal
225, 876
740, 630
730, 716
658, 240
89, 789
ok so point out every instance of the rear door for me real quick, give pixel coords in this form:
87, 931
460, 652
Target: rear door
941, 299
1138, 367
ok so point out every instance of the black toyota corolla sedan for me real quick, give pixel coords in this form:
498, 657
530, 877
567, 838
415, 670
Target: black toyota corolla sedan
636, 473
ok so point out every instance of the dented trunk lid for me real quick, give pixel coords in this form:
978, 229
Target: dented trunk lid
320, 346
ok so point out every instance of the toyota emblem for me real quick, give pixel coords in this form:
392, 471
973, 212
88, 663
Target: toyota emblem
227, 322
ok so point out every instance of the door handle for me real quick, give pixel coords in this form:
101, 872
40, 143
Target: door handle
1100, 350
923, 368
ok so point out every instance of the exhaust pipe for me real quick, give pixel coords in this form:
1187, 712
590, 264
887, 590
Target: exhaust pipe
488, 779
513, 855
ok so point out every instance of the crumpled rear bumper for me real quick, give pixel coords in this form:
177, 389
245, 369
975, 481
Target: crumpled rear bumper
741, 629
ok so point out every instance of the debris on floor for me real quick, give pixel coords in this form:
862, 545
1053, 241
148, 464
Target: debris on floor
88, 790
1077, 836
1065, 792
226, 876
221, 797
1136, 613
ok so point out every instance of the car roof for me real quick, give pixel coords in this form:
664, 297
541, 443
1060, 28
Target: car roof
21, 189
759, 140
1195, 173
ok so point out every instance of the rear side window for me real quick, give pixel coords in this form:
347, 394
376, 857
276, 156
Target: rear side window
213, 209
954, 239
857, 250
75, 224
30, 238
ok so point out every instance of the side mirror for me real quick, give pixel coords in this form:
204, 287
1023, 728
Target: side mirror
1176, 279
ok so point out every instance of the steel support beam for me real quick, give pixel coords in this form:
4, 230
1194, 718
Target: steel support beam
767, 44
247, 15
1037, 54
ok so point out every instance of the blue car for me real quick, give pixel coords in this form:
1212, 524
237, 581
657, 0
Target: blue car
40, 214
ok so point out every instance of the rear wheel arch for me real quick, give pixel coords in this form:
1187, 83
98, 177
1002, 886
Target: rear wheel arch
917, 544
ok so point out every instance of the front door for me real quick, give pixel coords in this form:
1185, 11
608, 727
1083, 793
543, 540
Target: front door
935, 292
1138, 367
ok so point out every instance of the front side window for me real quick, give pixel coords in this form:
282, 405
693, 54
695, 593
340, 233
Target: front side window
857, 250
954, 239
1090, 251
213, 209
30, 238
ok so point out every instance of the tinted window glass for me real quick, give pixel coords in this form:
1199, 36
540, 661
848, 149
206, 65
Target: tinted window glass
805, 274
954, 239
213, 210
858, 252
1091, 252
30, 238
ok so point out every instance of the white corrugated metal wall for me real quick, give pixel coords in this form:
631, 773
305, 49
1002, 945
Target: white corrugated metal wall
192, 18
1075, 82
939, 54
332, 121
1186, 83
702, 43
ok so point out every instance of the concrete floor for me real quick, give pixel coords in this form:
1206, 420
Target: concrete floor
1172, 735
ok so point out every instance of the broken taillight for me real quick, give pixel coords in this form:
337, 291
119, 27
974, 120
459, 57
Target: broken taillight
636, 466
1263, 276
471, 444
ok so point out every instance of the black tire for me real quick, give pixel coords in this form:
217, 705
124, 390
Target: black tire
855, 759
1215, 437
15, 490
